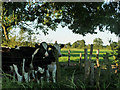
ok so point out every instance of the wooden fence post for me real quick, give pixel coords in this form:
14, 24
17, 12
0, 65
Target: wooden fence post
91, 66
98, 69
91, 51
98, 77
108, 66
58, 77
92, 74
97, 58
68, 57
80, 60
86, 66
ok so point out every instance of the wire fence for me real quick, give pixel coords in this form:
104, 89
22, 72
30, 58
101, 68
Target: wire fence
19, 59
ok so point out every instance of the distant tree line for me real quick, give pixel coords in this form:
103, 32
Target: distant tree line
26, 40
97, 43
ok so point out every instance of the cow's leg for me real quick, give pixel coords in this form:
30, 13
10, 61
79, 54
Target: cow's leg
24, 73
48, 75
38, 81
12, 70
19, 77
41, 78
33, 74
54, 74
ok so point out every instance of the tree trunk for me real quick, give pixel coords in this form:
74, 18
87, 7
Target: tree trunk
0, 67
5, 32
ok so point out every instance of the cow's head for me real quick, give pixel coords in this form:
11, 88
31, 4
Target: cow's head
56, 49
43, 49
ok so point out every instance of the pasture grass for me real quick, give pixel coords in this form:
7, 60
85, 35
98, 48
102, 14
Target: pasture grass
75, 55
71, 77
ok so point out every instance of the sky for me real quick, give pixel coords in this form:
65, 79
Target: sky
64, 35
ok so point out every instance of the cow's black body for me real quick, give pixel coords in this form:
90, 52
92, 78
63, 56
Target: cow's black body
43, 62
34, 57
15, 56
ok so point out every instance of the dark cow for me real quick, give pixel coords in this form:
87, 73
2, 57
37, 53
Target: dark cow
10, 56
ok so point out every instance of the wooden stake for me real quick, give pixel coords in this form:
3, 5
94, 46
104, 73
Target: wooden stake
91, 51
86, 66
92, 74
97, 58
109, 68
68, 57
80, 60
91, 69
58, 66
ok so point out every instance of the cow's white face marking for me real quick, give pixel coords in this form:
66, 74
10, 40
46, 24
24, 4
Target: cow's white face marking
46, 54
45, 47
58, 49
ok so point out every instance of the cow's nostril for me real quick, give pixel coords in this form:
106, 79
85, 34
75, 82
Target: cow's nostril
46, 55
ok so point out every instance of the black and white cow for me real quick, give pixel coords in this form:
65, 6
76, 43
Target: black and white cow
49, 62
13, 58
33, 60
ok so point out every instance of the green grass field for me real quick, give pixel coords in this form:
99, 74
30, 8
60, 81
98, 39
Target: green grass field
75, 55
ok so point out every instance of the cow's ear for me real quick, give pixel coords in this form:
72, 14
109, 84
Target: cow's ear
49, 46
15, 46
62, 45
36, 45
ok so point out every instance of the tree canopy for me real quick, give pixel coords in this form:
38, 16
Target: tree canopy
80, 17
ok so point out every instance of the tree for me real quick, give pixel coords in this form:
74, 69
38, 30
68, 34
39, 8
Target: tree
11, 16
79, 44
84, 18
97, 42
88, 46
113, 45
68, 45
80, 17
118, 42
74, 45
